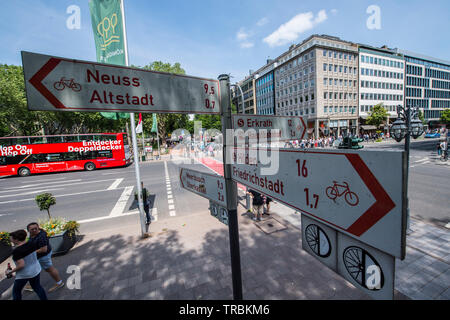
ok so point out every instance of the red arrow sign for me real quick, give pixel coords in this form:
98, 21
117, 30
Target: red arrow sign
360, 199
382, 205
36, 81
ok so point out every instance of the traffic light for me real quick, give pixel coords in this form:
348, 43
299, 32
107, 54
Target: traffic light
351, 143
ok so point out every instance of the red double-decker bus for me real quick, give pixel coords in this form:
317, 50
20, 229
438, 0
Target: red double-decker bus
40, 154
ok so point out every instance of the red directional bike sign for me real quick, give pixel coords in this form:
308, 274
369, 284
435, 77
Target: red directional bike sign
359, 193
60, 84
279, 127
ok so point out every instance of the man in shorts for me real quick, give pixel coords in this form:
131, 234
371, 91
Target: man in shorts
258, 202
44, 253
27, 266
268, 201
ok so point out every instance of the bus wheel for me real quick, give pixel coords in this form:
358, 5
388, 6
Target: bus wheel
89, 166
23, 172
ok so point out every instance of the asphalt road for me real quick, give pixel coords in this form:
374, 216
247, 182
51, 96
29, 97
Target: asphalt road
429, 180
98, 198
103, 198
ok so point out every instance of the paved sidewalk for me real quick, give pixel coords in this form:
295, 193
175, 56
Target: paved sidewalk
188, 258
425, 272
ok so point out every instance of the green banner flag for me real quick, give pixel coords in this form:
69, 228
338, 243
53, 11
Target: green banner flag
106, 17
155, 124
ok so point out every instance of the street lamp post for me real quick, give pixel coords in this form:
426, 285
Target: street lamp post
406, 125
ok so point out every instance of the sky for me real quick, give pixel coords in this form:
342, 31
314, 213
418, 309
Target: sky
209, 38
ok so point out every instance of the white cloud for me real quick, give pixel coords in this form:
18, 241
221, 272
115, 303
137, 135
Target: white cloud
247, 44
290, 30
242, 35
262, 22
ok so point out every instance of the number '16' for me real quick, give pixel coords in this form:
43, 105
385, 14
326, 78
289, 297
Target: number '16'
302, 170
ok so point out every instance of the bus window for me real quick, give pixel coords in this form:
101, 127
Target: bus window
88, 137
55, 139
54, 157
107, 137
12, 159
3, 161
125, 139
5, 142
104, 154
71, 138
87, 155
36, 158
21, 141
37, 140
69, 156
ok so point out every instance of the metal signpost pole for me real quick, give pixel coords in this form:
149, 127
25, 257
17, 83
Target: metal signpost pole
407, 141
133, 136
230, 188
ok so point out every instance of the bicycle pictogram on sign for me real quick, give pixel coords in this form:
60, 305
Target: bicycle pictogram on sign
339, 190
69, 83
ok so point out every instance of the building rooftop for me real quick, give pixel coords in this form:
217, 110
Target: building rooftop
422, 57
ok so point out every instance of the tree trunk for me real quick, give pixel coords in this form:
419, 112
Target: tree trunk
48, 212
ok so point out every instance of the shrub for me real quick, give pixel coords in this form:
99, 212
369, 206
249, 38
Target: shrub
45, 201
4, 238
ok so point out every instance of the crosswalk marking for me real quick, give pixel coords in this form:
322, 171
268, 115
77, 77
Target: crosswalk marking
115, 184
122, 202
170, 200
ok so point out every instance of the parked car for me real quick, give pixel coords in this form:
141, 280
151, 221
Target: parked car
433, 134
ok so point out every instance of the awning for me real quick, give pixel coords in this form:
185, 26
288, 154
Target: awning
368, 127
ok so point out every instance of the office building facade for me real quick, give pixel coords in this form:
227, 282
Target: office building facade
381, 81
427, 84
318, 79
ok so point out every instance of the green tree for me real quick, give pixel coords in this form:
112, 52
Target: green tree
16, 119
378, 115
445, 116
45, 201
167, 122
422, 118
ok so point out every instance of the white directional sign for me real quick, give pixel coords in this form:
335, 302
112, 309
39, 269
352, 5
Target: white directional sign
207, 185
279, 127
358, 193
60, 84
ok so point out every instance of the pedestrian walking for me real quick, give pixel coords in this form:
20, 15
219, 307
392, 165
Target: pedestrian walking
38, 237
257, 203
267, 202
27, 267
438, 146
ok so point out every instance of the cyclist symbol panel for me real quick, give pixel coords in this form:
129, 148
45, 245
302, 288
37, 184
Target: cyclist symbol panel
363, 268
318, 240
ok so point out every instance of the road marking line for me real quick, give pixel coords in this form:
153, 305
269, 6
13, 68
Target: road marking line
170, 201
122, 202
30, 192
61, 195
39, 184
421, 160
108, 217
419, 164
154, 214
82, 182
115, 184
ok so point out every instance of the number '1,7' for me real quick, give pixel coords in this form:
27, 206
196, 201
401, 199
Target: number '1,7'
315, 196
